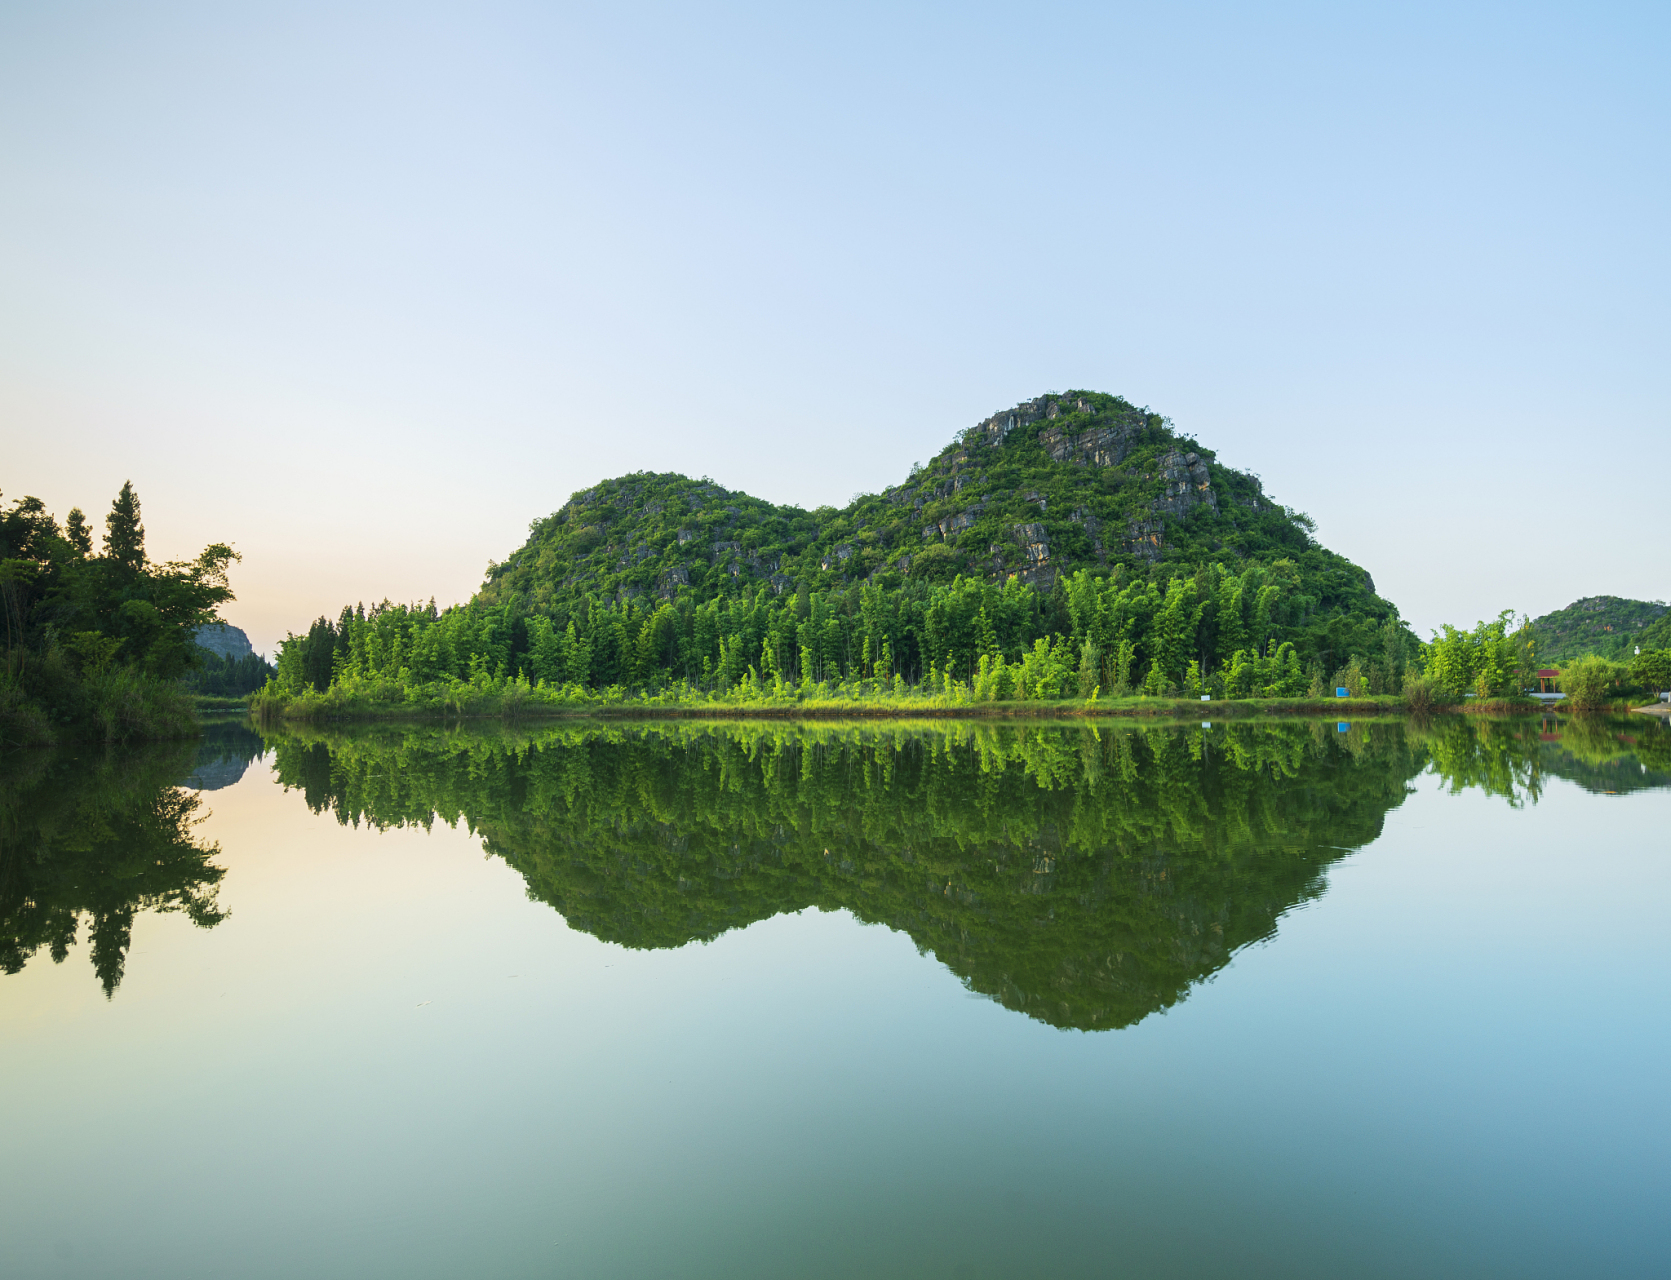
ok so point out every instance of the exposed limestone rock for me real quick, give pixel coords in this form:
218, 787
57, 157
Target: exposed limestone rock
671, 580
1146, 539
1188, 484
1092, 527
994, 429
223, 640
958, 522
1035, 547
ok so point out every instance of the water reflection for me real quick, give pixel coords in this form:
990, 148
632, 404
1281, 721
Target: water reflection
1512, 758
92, 840
1087, 876
224, 754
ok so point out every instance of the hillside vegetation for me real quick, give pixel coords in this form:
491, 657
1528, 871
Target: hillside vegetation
1608, 626
1039, 491
1070, 544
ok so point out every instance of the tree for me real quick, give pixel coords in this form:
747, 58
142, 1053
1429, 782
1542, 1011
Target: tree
124, 537
1652, 669
78, 532
1587, 681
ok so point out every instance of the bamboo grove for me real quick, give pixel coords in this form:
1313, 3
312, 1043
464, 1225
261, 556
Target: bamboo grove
1257, 633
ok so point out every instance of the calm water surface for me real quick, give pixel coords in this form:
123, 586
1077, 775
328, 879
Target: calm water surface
1284, 999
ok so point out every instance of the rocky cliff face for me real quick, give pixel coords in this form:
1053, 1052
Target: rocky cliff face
1050, 485
224, 640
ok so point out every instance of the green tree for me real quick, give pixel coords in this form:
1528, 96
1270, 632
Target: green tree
124, 537
1652, 669
77, 532
1588, 681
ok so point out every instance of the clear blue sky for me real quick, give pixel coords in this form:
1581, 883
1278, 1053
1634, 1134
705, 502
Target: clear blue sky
364, 289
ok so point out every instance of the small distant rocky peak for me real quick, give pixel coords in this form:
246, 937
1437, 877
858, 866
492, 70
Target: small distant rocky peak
223, 640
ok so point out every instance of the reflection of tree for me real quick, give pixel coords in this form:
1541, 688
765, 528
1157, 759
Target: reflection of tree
1087, 877
98, 839
1511, 758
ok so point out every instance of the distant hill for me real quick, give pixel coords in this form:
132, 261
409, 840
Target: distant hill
1610, 626
1058, 483
224, 640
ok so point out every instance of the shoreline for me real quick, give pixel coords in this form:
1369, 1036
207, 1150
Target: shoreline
1149, 708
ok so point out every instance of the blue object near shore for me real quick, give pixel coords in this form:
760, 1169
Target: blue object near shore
1342, 727
1342, 692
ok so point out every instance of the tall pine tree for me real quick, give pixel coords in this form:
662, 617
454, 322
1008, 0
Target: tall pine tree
124, 537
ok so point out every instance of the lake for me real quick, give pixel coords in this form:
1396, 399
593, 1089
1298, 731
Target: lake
955, 999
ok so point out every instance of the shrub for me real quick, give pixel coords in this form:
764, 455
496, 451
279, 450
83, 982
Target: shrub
1587, 681
1422, 696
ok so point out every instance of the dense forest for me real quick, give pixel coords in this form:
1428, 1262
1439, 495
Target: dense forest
1071, 545
96, 642
220, 675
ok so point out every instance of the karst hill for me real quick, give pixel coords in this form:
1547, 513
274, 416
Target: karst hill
1056, 484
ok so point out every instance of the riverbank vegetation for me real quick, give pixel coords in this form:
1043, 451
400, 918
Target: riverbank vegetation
1108, 638
96, 643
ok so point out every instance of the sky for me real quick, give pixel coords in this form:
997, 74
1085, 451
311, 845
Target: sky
364, 289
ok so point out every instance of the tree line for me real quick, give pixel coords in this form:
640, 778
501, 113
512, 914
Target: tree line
1254, 632
96, 640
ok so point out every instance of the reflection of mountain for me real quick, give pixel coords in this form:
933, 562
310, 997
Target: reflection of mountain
97, 839
223, 755
1087, 877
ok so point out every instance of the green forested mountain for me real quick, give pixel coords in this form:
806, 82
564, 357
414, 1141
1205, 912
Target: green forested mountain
1606, 625
1072, 543
1056, 484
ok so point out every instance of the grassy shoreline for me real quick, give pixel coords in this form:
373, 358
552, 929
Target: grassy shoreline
909, 705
